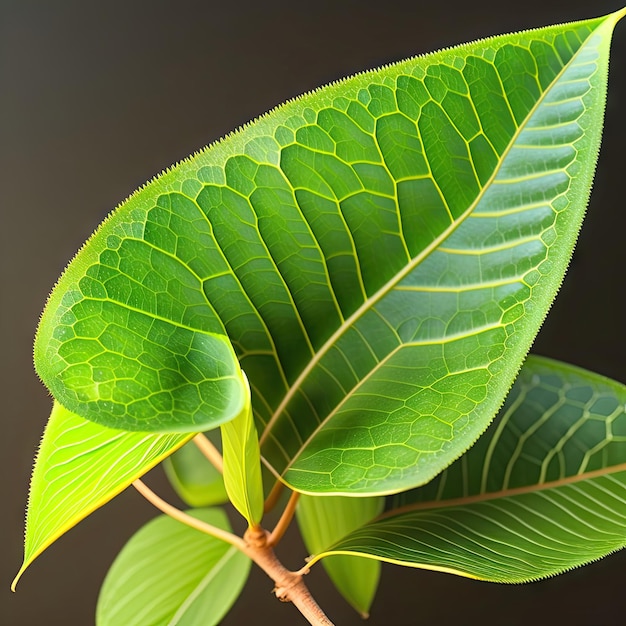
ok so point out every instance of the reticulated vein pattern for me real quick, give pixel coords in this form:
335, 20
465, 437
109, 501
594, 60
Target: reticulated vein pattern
377, 256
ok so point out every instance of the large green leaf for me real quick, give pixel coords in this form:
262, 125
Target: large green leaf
242, 465
171, 574
81, 466
323, 520
543, 490
380, 252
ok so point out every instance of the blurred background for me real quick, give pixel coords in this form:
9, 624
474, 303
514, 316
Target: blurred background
96, 98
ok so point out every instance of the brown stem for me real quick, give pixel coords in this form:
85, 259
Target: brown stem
274, 495
210, 451
285, 519
181, 516
288, 586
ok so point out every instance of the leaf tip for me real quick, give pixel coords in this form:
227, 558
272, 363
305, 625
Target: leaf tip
22, 569
618, 15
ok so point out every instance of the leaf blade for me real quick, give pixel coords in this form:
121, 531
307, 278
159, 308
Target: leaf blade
81, 466
242, 465
363, 273
196, 583
325, 519
544, 490
196, 481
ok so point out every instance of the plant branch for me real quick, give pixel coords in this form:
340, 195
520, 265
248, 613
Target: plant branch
274, 495
288, 586
285, 519
183, 517
210, 451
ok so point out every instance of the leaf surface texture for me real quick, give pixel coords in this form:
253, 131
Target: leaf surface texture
81, 466
169, 574
325, 519
380, 253
542, 491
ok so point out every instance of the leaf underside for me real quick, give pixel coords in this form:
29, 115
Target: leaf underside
242, 465
81, 466
171, 574
541, 492
196, 481
325, 519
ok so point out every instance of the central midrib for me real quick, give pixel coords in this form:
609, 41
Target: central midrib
388, 286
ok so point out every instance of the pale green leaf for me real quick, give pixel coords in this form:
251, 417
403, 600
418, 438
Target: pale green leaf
323, 520
380, 252
81, 466
543, 490
194, 478
242, 465
169, 574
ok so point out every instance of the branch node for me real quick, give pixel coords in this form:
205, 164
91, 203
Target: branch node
256, 537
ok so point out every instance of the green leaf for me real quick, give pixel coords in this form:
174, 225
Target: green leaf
543, 490
323, 520
380, 252
194, 478
128, 340
80, 467
242, 465
171, 574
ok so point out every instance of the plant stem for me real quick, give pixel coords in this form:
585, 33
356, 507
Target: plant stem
274, 495
288, 586
285, 519
210, 451
181, 516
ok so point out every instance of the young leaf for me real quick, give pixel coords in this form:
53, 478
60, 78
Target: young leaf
194, 478
80, 467
169, 573
543, 490
323, 520
242, 465
381, 254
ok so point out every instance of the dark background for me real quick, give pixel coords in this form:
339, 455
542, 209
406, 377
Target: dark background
96, 98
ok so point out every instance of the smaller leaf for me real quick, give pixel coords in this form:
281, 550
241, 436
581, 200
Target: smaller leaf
242, 463
194, 478
323, 520
81, 466
169, 573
